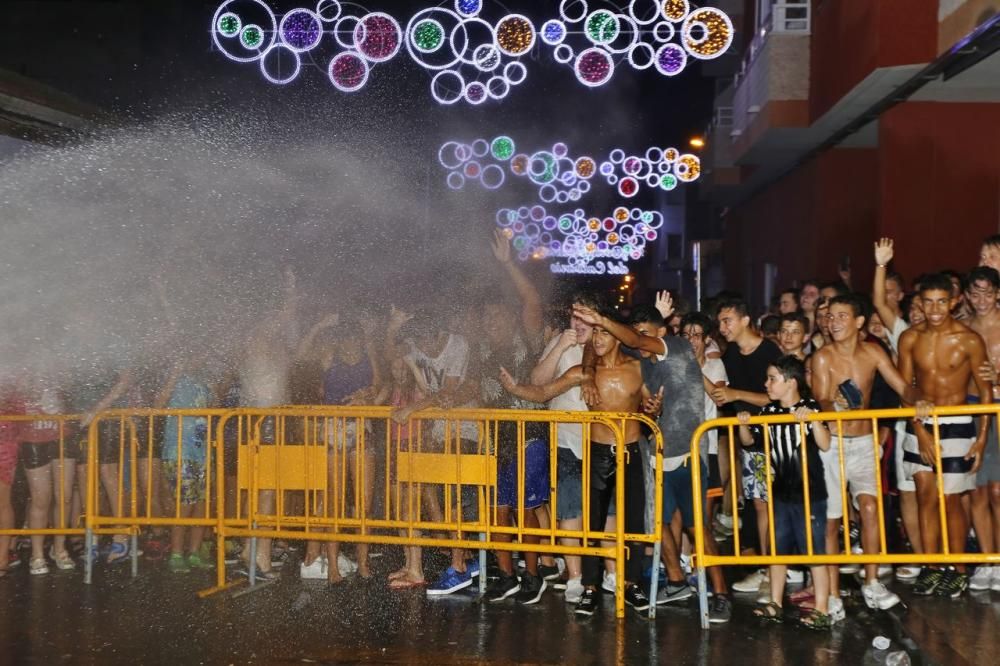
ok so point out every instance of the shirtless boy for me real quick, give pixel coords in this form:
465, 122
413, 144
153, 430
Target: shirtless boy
619, 380
850, 359
942, 355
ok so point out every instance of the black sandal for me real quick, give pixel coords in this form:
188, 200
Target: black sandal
770, 611
816, 620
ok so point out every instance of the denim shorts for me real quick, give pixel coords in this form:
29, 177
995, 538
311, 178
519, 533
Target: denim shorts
569, 485
790, 527
678, 494
536, 477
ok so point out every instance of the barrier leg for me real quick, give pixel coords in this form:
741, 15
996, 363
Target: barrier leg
135, 555
482, 566
88, 556
253, 559
702, 597
654, 580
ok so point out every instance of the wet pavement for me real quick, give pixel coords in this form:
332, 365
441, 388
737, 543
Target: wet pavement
158, 619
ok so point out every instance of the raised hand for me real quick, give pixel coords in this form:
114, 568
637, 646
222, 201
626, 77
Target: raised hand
397, 317
587, 315
568, 338
501, 246
506, 380
883, 251
664, 304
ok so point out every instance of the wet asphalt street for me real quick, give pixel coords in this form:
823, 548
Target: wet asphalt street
158, 619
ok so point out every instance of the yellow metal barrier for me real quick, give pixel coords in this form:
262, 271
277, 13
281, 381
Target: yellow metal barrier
703, 559
311, 451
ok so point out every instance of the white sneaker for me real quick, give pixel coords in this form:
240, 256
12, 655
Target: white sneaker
685, 564
608, 585
835, 609
574, 590
315, 570
345, 565
995, 583
795, 577
883, 571
907, 572
878, 597
752, 582
982, 579
38, 567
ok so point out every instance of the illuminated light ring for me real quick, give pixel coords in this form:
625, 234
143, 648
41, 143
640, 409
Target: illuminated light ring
463, 27
717, 33
532, 230
456, 180
340, 29
612, 179
348, 72
468, 7
517, 226
670, 154
545, 238
668, 182
562, 197
563, 54
567, 164
585, 167
537, 213
688, 168
519, 164
601, 27
617, 156
436, 83
631, 165
566, 5
635, 38
663, 31
645, 168
449, 149
560, 149
523, 212
553, 32
608, 224
628, 187
219, 44
497, 87
424, 32
472, 169
594, 67
514, 35
512, 67
575, 194
635, 213
380, 37
675, 10
549, 170
304, 36
323, 8
650, 57
245, 36
492, 176
411, 45
232, 20
480, 148
583, 186
620, 214
505, 217
663, 166
549, 223
502, 148
486, 57
653, 9
475, 93
547, 193
656, 220
654, 154
277, 79
670, 59
606, 168
652, 179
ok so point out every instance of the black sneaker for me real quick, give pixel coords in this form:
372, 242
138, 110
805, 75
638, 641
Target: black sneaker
720, 609
672, 592
636, 598
532, 588
928, 581
501, 588
588, 603
952, 584
548, 573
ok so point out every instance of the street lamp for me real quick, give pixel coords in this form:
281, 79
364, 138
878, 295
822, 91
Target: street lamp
697, 142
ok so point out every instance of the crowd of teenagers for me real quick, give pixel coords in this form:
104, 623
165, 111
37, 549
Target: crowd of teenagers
821, 347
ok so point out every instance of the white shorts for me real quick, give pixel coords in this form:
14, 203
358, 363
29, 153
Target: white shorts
958, 434
859, 467
903, 483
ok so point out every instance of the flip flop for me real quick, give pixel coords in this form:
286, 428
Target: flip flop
401, 584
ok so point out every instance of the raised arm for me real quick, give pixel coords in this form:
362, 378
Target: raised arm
883, 255
531, 302
625, 334
397, 318
545, 371
544, 393
306, 344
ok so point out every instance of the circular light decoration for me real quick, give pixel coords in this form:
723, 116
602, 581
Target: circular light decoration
601, 27
456, 180
641, 56
348, 72
472, 169
480, 148
452, 154
560, 149
670, 60
663, 31
670, 154
652, 179
427, 36
542, 168
519, 164
378, 37
514, 35
547, 193
707, 33
515, 73
688, 168
620, 214
343, 31
229, 24
251, 36
594, 67
447, 87
616, 156
497, 87
573, 11
628, 187
274, 64
301, 30
563, 54
468, 38
502, 148
631, 165
486, 57
675, 10
468, 7
328, 11
475, 93
553, 32
585, 167
644, 12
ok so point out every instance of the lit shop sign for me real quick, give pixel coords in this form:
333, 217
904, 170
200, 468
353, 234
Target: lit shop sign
597, 268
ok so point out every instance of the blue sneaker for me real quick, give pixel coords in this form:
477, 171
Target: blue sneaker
450, 581
472, 567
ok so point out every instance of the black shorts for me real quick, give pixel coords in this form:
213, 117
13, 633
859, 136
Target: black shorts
38, 454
